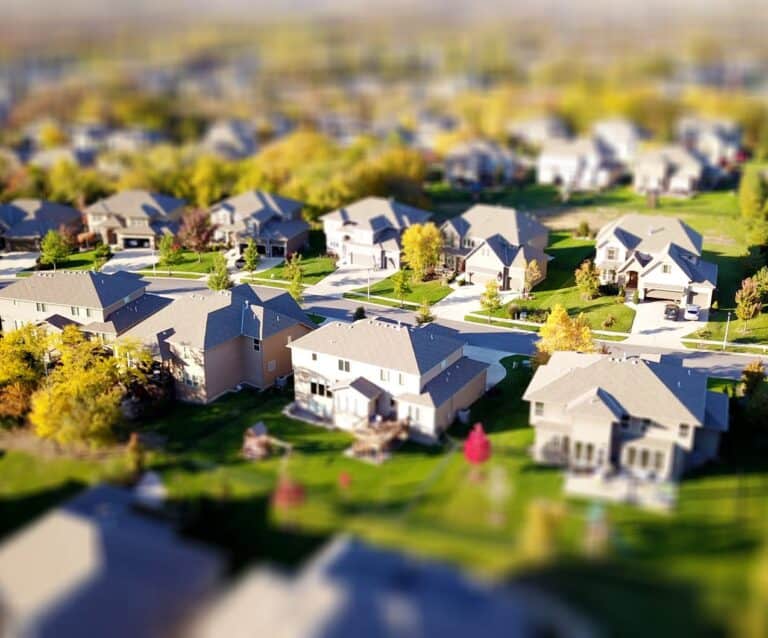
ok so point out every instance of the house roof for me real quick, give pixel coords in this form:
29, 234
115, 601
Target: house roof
75, 288
510, 255
378, 213
232, 138
698, 271
129, 315
259, 205
673, 157
666, 393
363, 386
482, 221
651, 233
34, 217
579, 147
137, 203
383, 344
206, 320
97, 565
446, 384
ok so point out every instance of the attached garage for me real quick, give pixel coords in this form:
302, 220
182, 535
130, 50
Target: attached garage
278, 251
663, 294
136, 242
701, 297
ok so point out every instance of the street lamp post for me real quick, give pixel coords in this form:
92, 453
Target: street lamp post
727, 324
369, 284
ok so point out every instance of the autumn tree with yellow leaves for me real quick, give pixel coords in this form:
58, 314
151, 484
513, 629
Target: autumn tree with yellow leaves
422, 246
563, 332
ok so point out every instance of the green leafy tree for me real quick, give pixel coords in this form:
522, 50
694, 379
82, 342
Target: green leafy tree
54, 248
424, 315
752, 377
490, 300
422, 247
169, 251
761, 283
219, 278
748, 304
293, 266
51, 135
251, 256
401, 285
752, 193
296, 288
587, 279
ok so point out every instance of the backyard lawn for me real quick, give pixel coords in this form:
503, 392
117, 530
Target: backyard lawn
685, 572
429, 291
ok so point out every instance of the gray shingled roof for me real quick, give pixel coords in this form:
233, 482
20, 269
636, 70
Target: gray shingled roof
363, 386
259, 205
378, 213
667, 393
378, 343
34, 217
129, 315
446, 384
483, 221
206, 320
650, 233
701, 272
511, 255
87, 289
137, 203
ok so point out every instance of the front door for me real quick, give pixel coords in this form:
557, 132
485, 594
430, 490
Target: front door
632, 281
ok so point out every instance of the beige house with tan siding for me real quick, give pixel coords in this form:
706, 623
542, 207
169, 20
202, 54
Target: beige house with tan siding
214, 342
350, 375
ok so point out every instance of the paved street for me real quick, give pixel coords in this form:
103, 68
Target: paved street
11, 263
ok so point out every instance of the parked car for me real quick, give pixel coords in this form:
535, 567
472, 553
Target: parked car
671, 312
692, 312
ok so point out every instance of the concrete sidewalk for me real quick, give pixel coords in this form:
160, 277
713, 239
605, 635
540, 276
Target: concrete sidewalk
347, 279
463, 301
11, 263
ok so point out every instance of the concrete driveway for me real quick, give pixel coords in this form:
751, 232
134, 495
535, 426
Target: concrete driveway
11, 263
652, 329
462, 301
346, 279
131, 260
496, 372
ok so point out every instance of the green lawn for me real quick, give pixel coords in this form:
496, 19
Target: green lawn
431, 291
682, 574
191, 262
313, 270
82, 260
559, 287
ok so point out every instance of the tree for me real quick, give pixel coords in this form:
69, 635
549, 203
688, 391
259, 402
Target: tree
532, 276
538, 536
751, 193
490, 300
587, 280
562, 332
196, 231
209, 180
219, 278
424, 314
170, 251
477, 447
22, 355
51, 135
296, 288
401, 285
359, 313
748, 304
293, 266
422, 246
250, 255
761, 283
53, 248
752, 377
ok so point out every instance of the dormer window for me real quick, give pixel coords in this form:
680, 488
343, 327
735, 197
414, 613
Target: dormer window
257, 345
612, 253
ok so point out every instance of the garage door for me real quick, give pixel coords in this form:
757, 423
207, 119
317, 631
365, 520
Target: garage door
135, 243
700, 298
661, 293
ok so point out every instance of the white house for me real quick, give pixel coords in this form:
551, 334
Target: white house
670, 170
350, 375
619, 136
538, 131
658, 256
577, 165
717, 141
480, 162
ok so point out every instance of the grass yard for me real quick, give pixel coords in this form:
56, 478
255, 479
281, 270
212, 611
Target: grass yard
82, 260
173, 275
191, 262
313, 270
560, 287
431, 291
686, 572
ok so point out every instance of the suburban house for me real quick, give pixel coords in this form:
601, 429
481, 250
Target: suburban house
671, 170
619, 137
494, 243
273, 222
367, 232
642, 416
134, 218
132, 140
213, 343
105, 306
658, 256
480, 163
230, 139
353, 374
24, 222
538, 131
429, 127
717, 142
577, 165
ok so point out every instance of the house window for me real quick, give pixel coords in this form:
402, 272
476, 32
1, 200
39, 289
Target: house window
611, 253
666, 269
313, 387
75, 311
631, 456
40, 307
538, 408
314, 356
658, 461
644, 458
384, 375
343, 365
590, 452
257, 345
88, 312
401, 378
577, 450
683, 430
413, 412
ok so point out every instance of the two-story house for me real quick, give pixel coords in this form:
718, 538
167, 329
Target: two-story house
104, 306
495, 243
134, 218
481, 163
349, 375
367, 233
582, 164
230, 139
642, 416
670, 170
273, 222
658, 256
620, 137
536, 132
24, 222
213, 342
716, 141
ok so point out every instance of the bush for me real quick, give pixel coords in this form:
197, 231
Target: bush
359, 313
582, 230
715, 305
608, 290
513, 310
635, 297
609, 322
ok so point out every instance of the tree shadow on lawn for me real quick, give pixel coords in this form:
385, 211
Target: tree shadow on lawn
16, 511
626, 599
731, 269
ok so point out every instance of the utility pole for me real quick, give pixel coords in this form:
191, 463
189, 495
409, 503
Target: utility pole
369, 284
727, 324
